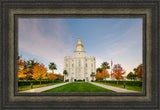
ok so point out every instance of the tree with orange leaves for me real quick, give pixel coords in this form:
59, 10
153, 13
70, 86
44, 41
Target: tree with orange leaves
117, 72
52, 77
21, 72
39, 72
59, 77
104, 73
139, 71
98, 76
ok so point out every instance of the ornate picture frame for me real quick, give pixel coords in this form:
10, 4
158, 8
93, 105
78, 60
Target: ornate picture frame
11, 10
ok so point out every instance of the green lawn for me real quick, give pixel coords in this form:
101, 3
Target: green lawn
78, 87
135, 88
24, 88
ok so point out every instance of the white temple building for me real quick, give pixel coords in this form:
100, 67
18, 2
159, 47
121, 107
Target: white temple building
79, 67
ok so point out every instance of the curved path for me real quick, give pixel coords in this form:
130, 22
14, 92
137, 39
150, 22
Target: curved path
116, 89
44, 88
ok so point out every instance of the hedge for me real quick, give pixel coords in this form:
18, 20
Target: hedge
67, 80
79, 80
130, 83
27, 83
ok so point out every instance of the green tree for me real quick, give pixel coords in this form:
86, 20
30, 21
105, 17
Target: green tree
52, 66
105, 65
131, 76
28, 66
99, 69
65, 73
92, 75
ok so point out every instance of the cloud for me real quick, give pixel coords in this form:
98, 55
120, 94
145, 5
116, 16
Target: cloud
126, 48
122, 43
49, 39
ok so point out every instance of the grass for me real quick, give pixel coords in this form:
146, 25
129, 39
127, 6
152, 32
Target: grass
78, 87
24, 88
135, 88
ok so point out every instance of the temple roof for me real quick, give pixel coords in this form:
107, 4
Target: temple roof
79, 41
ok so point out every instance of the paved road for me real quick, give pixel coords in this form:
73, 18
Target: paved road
44, 88
116, 89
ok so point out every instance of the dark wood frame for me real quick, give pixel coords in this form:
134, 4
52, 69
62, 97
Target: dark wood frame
12, 9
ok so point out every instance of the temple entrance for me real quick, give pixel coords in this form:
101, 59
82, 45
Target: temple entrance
87, 80
72, 79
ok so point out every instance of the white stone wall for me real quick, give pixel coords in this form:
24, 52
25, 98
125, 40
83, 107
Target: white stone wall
79, 67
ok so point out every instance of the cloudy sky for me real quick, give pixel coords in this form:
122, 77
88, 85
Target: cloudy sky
50, 40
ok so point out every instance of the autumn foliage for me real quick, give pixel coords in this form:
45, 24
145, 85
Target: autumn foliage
102, 75
139, 71
21, 72
39, 72
98, 76
31, 70
52, 77
59, 77
117, 72
105, 73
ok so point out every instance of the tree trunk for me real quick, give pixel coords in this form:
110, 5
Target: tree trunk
53, 71
64, 77
40, 82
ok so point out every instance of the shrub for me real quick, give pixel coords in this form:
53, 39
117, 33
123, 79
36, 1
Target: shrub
67, 80
79, 80
130, 83
27, 83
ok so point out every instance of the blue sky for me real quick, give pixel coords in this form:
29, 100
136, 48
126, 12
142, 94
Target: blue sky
50, 40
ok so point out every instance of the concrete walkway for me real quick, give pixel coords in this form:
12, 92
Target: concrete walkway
116, 89
44, 88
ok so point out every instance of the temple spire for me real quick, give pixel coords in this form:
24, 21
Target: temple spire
79, 45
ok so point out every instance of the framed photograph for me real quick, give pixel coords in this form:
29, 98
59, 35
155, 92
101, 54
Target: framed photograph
79, 54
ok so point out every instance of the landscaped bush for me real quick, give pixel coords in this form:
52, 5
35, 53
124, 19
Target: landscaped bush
92, 80
79, 80
67, 80
130, 83
27, 83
